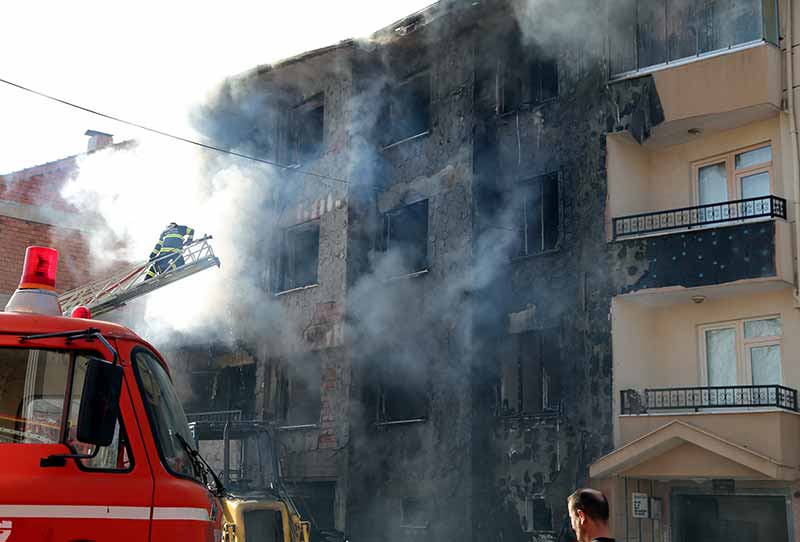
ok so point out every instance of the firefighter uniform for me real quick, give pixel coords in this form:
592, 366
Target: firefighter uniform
169, 250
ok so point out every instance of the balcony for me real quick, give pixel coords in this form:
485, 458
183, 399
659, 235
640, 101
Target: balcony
744, 432
699, 215
705, 245
710, 397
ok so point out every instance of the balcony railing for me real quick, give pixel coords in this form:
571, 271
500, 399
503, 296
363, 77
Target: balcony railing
700, 215
634, 402
215, 416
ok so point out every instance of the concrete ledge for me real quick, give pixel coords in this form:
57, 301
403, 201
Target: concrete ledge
46, 215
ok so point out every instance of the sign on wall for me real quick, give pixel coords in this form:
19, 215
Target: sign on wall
641, 505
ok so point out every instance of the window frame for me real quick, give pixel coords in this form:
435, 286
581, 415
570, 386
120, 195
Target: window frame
769, 34
385, 246
297, 118
391, 96
525, 186
530, 514
291, 374
122, 430
134, 361
518, 361
67, 395
733, 175
386, 374
744, 368
287, 260
527, 99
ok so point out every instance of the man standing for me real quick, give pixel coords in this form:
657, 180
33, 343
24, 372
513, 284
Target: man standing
588, 513
168, 252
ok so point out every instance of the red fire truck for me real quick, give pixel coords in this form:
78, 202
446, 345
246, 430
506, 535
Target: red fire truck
94, 443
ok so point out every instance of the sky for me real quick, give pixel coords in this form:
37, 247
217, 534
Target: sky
148, 62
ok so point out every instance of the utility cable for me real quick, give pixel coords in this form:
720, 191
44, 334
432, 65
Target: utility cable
178, 138
283, 167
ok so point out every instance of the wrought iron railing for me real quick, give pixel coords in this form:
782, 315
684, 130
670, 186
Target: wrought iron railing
700, 215
634, 402
215, 416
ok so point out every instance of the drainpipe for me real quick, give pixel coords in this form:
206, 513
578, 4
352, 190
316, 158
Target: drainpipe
794, 149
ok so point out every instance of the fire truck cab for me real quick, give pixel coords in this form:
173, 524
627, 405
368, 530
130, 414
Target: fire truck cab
94, 443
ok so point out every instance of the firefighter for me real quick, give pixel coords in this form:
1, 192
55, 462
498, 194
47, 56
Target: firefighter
168, 252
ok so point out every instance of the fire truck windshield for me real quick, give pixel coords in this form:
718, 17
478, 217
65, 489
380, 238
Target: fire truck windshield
165, 413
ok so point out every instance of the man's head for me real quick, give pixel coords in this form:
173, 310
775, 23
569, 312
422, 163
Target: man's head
588, 513
172, 225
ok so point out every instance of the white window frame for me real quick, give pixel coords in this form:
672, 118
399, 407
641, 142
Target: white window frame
734, 176
744, 366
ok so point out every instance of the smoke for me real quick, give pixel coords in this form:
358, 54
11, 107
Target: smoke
139, 189
553, 24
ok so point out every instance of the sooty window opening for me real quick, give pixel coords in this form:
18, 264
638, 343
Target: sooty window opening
407, 109
307, 130
531, 374
527, 78
405, 236
303, 390
299, 257
539, 218
402, 391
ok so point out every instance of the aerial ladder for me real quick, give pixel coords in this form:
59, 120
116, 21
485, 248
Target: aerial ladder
115, 291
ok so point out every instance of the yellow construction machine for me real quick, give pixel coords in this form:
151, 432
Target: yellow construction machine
257, 506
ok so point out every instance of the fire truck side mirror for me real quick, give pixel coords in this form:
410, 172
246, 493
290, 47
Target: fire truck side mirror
99, 409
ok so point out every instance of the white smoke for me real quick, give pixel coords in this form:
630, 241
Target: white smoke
141, 188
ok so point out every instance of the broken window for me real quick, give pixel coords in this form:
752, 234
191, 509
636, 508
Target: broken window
414, 514
405, 236
539, 215
303, 390
306, 130
408, 109
315, 501
402, 391
537, 515
528, 79
299, 257
531, 379
650, 32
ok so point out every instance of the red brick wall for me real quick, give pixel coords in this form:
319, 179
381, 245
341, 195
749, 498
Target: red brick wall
40, 186
16, 235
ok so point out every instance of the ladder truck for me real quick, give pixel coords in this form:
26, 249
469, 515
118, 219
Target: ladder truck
112, 292
94, 443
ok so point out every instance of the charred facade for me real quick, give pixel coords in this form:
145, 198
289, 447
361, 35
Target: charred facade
442, 364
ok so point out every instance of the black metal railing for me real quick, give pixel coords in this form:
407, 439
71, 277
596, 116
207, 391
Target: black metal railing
215, 416
700, 215
634, 402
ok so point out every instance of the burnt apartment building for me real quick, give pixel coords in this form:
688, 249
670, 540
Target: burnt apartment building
520, 247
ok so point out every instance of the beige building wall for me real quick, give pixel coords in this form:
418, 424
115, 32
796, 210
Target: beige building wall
657, 343
641, 180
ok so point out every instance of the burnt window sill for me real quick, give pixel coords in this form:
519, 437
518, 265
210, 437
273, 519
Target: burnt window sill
412, 275
298, 289
399, 422
526, 107
544, 414
524, 257
407, 139
303, 427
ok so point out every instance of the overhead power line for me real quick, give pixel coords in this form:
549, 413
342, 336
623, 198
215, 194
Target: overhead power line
178, 138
